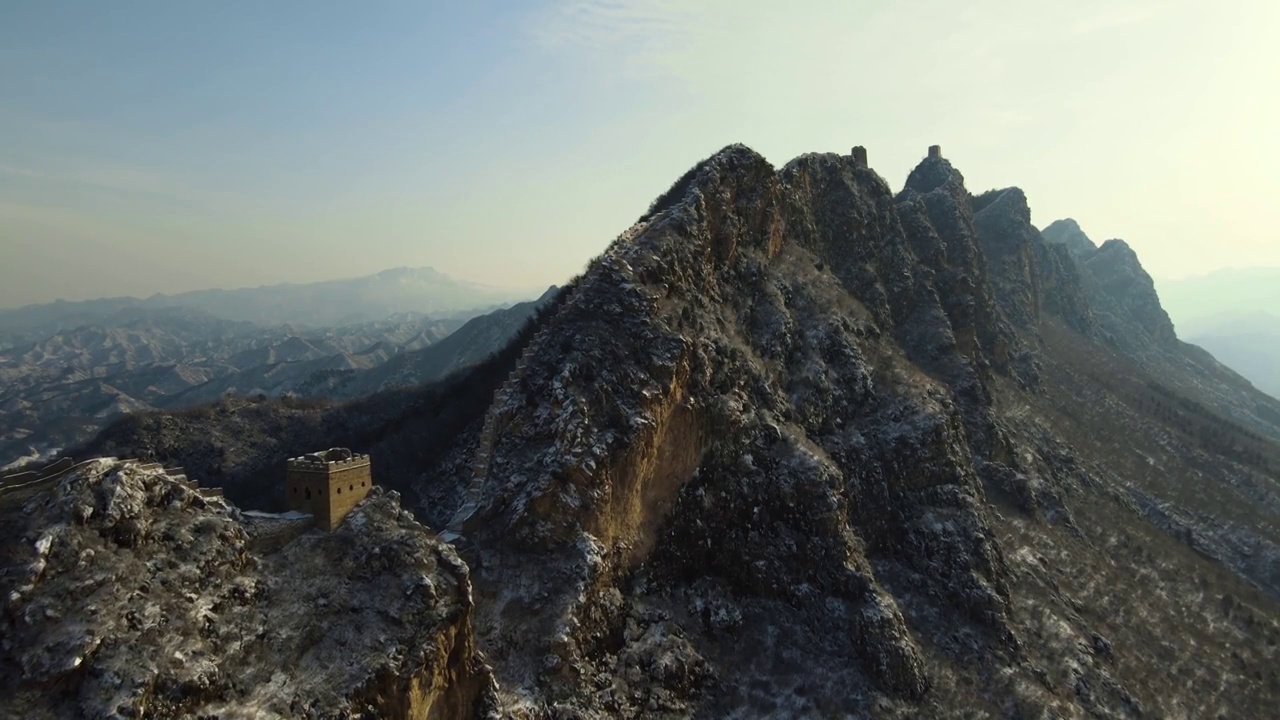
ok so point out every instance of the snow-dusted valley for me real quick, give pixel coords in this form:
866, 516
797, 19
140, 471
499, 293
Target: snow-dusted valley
62, 387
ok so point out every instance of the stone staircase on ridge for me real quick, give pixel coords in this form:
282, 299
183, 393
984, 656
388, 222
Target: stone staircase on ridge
484, 452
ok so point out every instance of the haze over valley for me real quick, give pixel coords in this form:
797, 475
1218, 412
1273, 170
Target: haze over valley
68, 369
1234, 314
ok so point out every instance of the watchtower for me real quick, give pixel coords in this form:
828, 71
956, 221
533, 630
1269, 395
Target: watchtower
935, 151
327, 484
859, 156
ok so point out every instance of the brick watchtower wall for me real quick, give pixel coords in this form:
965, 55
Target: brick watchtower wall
935, 151
327, 488
859, 156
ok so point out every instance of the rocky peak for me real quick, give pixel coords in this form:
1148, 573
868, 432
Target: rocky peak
703, 405
1029, 274
963, 284
932, 173
1122, 295
1003, 222
1067, 232
1006, 202
1131, 290
763, 424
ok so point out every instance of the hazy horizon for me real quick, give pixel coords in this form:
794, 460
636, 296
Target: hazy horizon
533, 291
536, 290
166, 149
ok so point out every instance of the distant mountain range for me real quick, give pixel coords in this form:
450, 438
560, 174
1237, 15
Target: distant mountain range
1234, 314
63, 388
421, 291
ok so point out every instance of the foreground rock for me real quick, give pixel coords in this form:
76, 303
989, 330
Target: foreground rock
128, 594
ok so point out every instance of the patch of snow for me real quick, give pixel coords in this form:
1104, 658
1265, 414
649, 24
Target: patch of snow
43, 544
291, 515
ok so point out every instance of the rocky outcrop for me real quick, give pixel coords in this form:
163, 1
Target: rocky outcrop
1130, 290
1067, 233
716, 404
127, 594
964, 286
1003, 223
1120, 291
765, 425
1063, 289
1030, 275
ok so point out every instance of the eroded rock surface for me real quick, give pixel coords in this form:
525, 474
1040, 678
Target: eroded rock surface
128, 594
755, 452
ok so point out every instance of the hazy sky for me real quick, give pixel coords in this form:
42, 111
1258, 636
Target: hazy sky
165, 146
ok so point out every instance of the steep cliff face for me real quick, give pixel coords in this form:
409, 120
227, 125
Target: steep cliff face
1119, 289
1067, 233
1131, 290
746, 467
128, 594
1029, 273
702, 408
964, 286
1003, 222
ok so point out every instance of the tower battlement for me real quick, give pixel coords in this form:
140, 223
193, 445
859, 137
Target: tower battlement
327, 484
315, 463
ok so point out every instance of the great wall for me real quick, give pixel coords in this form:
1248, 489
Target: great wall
267, 531
484, 450
46, 476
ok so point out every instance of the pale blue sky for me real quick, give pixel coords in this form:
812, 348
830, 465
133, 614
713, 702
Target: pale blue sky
165, 146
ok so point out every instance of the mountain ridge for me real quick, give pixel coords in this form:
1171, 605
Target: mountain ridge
868, 492
797, 445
